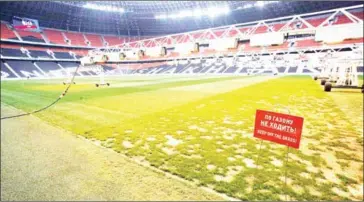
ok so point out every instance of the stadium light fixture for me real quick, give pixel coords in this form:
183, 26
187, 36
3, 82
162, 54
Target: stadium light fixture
197, 13
163, 16
104, 7
225, 10
247, 6
211, 12
185, 14
173, 16
260, 3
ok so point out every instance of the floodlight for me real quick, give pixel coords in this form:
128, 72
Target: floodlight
225, 10
197, 13
103, 8
185, 13
260, 3
248, 6
212, 12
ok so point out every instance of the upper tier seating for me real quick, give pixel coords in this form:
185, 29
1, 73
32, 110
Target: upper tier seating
54, 36
95, 40
6, 33
113, 40
77, 39
30, 36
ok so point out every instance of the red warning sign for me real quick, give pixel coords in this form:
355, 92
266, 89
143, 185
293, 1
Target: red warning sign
279, 128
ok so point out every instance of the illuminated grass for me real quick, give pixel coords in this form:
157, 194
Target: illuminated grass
208, 139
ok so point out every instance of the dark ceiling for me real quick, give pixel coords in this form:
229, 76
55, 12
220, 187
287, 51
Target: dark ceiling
139, 16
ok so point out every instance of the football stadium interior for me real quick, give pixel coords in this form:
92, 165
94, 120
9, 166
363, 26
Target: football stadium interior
182, 100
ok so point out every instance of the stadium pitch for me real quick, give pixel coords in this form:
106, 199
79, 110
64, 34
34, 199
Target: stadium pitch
200, 128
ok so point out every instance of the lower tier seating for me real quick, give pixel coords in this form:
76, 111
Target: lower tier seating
62, 69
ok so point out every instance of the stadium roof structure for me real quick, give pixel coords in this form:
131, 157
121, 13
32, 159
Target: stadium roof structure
155, 18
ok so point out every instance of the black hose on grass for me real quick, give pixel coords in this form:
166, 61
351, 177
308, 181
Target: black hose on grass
46, 107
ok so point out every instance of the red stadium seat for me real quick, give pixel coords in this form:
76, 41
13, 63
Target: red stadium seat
6, 33
54, 36
307, 43
76, 38
30, 36
114, 40
95, 40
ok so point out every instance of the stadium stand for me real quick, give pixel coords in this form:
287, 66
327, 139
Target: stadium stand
51, 69
30, 36
113, 40
5, 72
54, 36
25, 69
6, 33
95, 40
77, 39
39, 54
62, 55
10, 52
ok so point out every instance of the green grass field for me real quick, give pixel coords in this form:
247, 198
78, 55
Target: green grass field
200, 128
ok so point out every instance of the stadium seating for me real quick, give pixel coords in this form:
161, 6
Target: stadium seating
95, 40
281, 69
76, 38
5, 72
54, 36
39, 54
6, 33
113, 40
25, 69
10, 52
30, 36
62, 55
307, 43
292, 69
51, 69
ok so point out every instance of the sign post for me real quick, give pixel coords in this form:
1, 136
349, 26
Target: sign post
280, 128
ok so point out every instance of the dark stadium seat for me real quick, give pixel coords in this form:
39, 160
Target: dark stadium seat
292, 69
244, 70
39, 54
12, 52
25, 68
306, 71
231, 70
71, 65
180, 68
62, 55
51, 69
281, 69
5, 72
